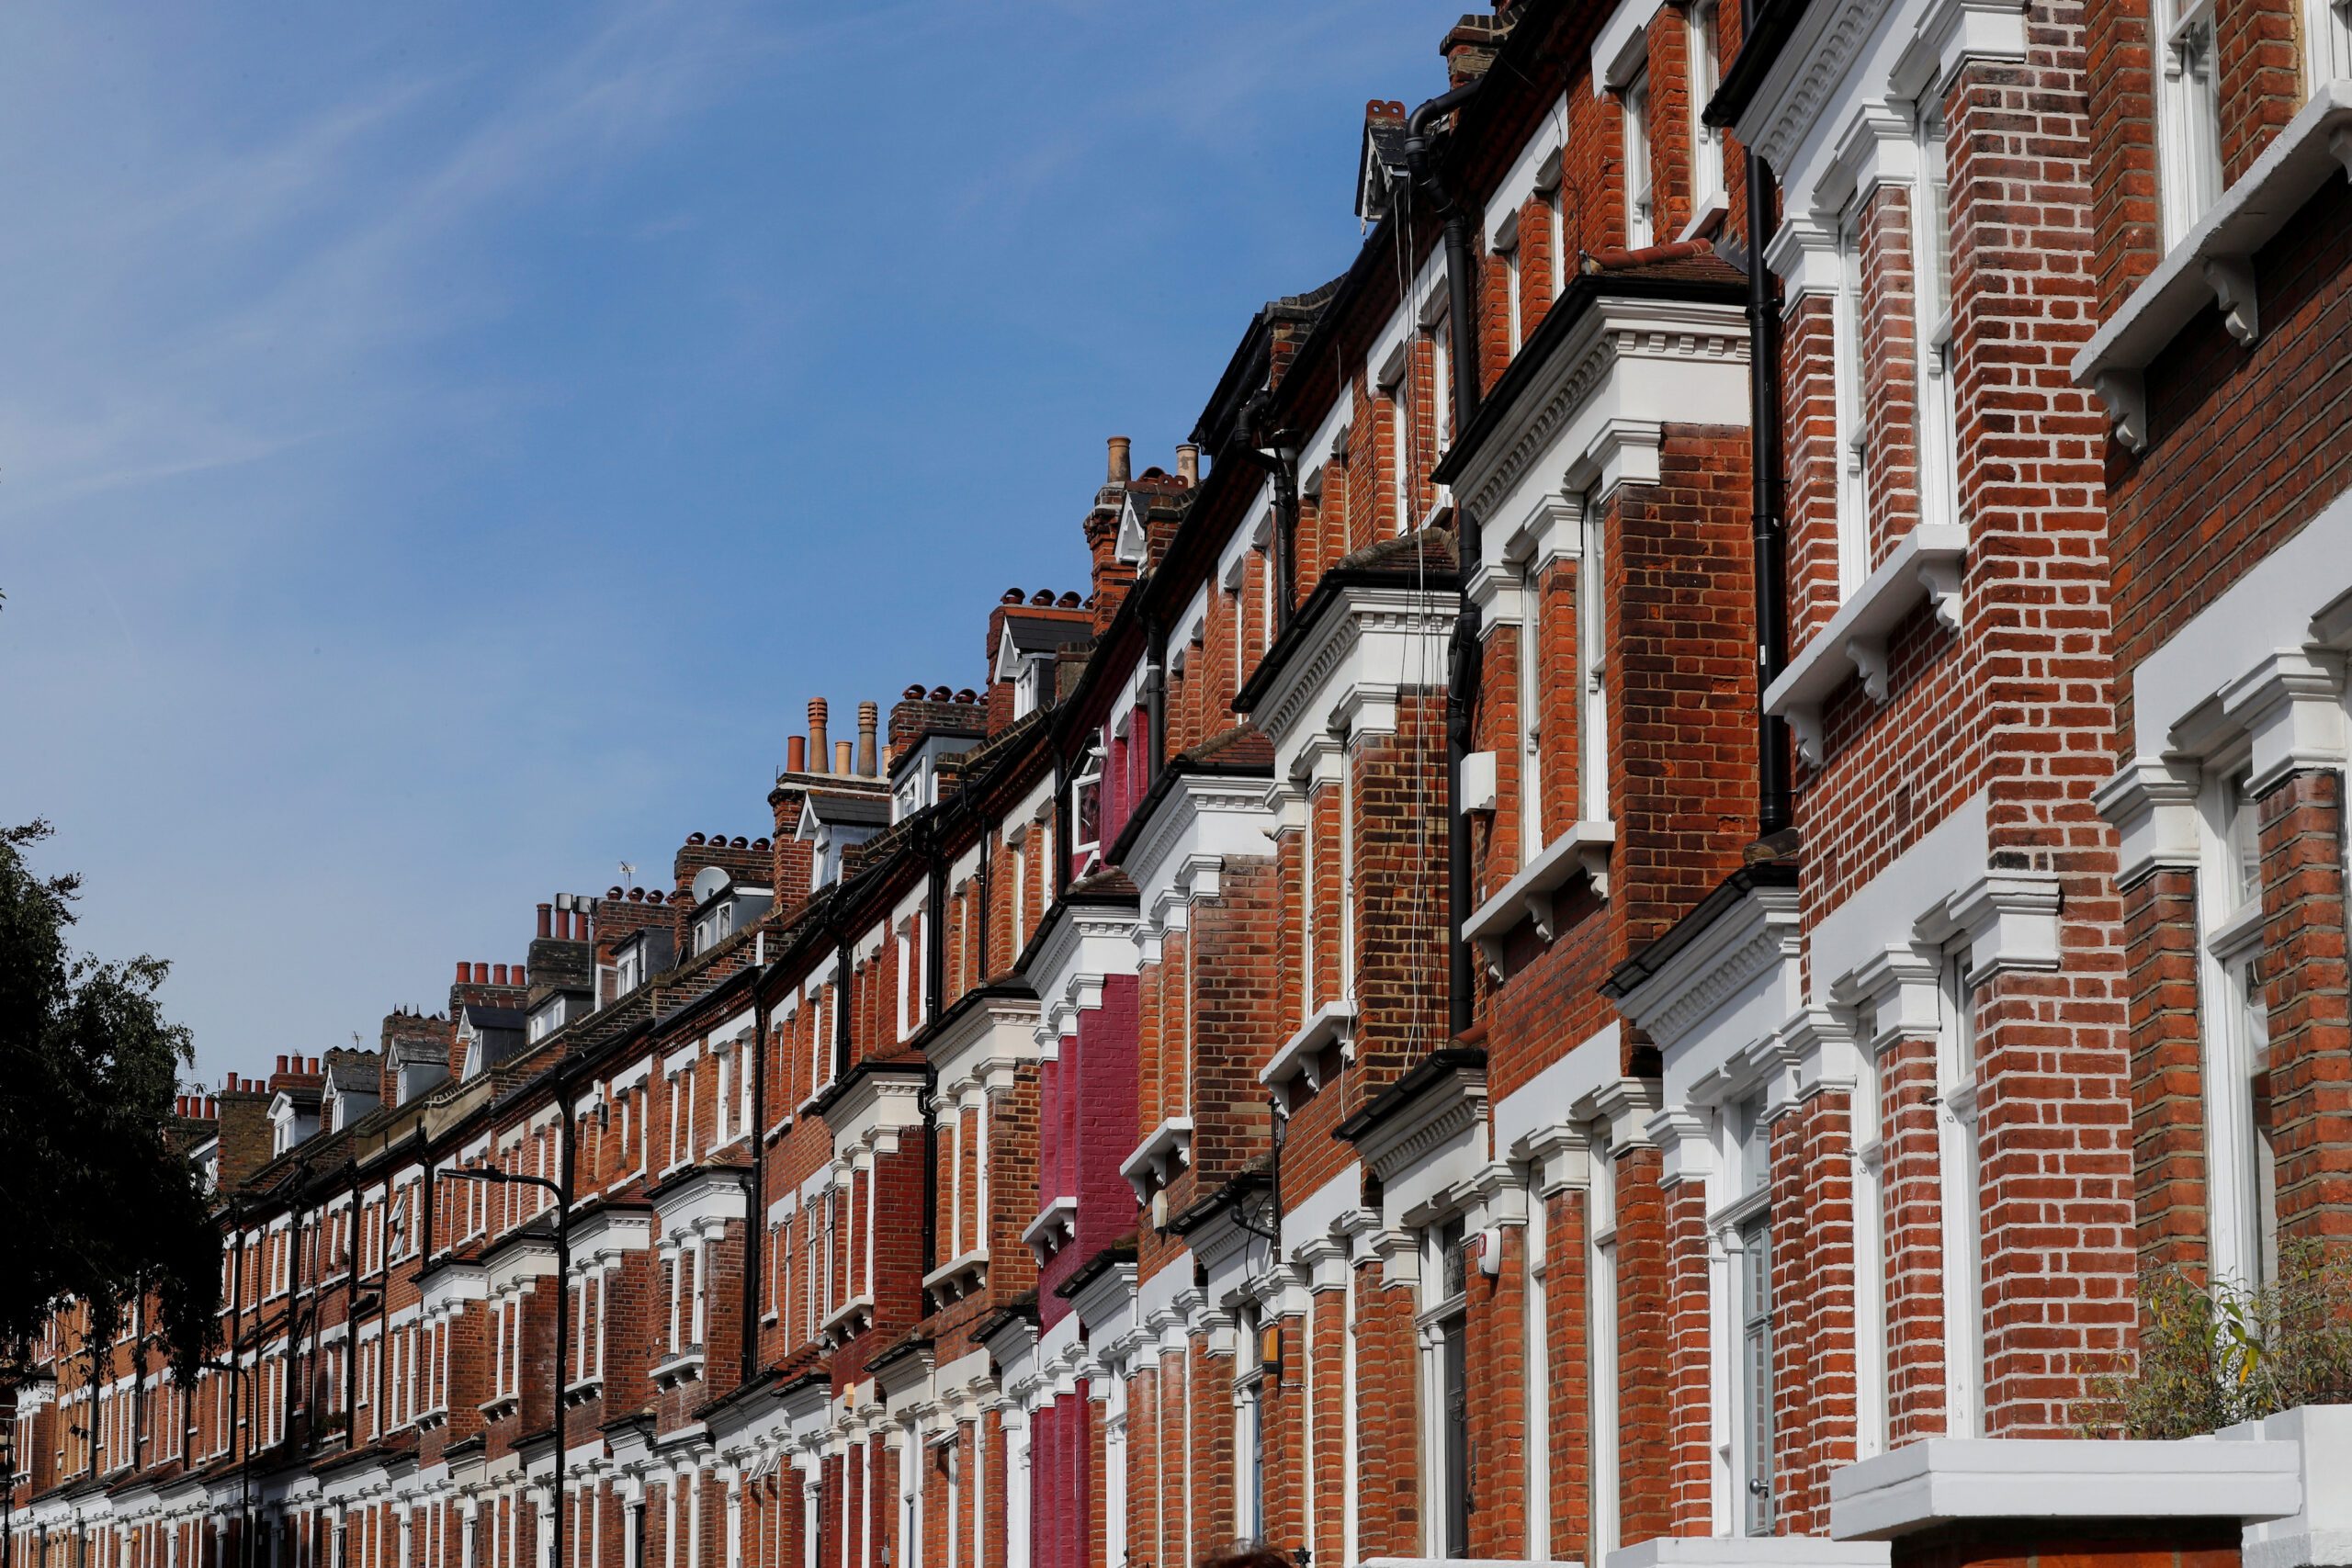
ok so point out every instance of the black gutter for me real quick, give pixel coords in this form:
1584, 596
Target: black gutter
1429, 1070
1766, 27
1767, 524
1334, 584
1731, 890
840, 1008
755, 1228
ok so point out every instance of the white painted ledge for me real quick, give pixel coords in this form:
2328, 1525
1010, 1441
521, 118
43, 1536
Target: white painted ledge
2320, 1532
1944, 1480
1750, 1551
1334, 1023
1924, 568
2215, 262
1165, 1150
1583, 849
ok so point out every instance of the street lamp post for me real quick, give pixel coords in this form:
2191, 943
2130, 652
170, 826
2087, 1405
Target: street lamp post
562, 1227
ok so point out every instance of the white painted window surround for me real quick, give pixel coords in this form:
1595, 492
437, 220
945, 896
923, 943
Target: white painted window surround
2212, 262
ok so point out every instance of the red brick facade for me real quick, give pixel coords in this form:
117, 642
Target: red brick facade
1085, 1128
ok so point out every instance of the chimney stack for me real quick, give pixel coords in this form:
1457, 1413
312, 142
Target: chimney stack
1188, 463
817, 752
868, 718
841, 758
795, 754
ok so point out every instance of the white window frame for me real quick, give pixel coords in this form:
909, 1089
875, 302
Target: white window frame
1932, 266
2241, 1166
1852, 450
1960, 1167
1442, 1326
1601, 1321
1641, 207
2327, 43
2188, 115
1705, 74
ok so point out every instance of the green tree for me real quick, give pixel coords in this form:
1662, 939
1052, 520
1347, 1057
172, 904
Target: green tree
101, 1208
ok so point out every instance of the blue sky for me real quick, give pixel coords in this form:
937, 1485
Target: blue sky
442, 447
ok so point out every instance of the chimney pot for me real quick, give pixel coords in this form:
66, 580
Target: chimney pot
1188, 463
913, 693
693, 837
1069, 601
817, 752
522, 975
281, 1064
481, 974
462, 974
795, 754
1011, 596
1043, 596
498, 974
547, 920
1119, 447
841, 758
760, 845
739, 842
636, 895
869, 717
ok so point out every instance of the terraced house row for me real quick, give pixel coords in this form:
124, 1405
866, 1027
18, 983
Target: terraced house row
1703, 811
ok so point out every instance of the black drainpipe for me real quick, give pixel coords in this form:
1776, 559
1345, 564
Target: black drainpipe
842, 1013
1772, 813
1466, 651
1062, 817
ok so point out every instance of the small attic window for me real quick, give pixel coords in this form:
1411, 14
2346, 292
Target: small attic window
1028, 687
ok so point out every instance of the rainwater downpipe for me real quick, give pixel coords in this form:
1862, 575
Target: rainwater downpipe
1464, 650
1276, 452
1772, 794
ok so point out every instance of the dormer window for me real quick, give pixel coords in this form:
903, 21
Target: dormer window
629, 968
1028, 688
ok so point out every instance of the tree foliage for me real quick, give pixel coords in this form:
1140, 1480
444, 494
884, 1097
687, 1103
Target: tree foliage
101, 1209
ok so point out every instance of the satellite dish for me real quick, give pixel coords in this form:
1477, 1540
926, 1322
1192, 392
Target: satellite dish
711, 880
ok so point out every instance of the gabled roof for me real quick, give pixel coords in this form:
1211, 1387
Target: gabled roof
1037, 636
1380, 165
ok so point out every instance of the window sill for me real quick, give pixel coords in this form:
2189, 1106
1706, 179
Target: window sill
1166, 1150
498, 1409
2214, 261
1942, 1480
1924, 568
1527, 897
958, 1278
1300, 1056
848, 1320
683, 1368
1055, 1227
582, 1390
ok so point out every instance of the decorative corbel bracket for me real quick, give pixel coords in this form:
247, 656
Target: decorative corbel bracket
2126, 397
2232, 281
